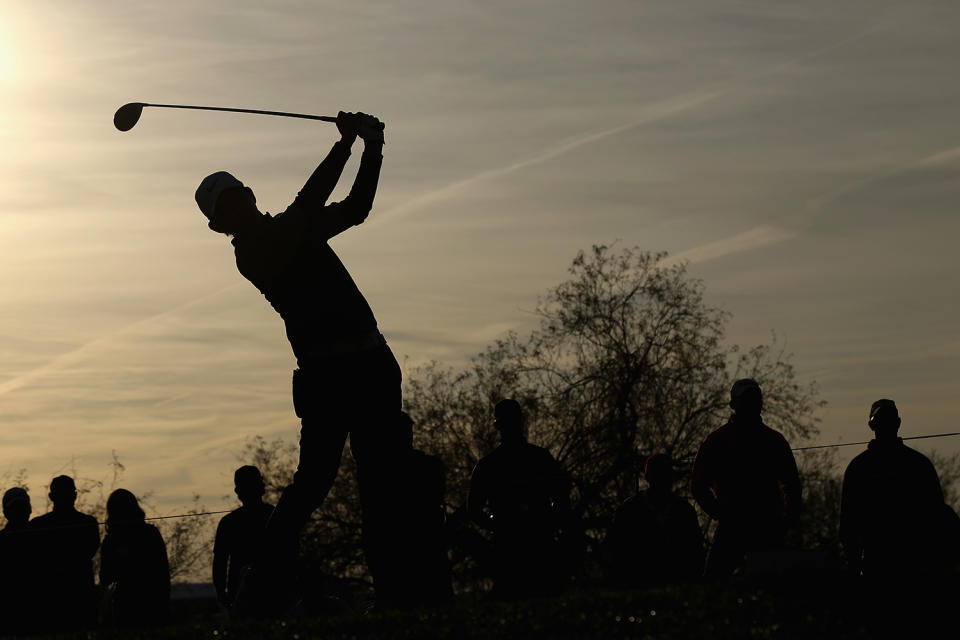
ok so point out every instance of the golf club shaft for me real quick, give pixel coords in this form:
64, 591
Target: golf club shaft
261, 112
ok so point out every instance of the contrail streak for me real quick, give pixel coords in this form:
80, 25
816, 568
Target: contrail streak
65, 360
654, 112
933, 160
751, 239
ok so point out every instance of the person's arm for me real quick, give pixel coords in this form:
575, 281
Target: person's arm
220, 556
701, 481
477, 499
850, 526
92, 538
108, 573
559, 491
693, 541
163, 565
793, 492
315, 192
353, 209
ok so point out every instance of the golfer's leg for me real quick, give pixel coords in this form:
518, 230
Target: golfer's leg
374, 448
321, 447
323, 433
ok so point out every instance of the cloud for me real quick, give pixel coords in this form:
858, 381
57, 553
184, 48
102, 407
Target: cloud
78, 354
937, 159
650, 114
751, 239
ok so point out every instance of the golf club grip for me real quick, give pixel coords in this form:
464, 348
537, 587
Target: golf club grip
305, 116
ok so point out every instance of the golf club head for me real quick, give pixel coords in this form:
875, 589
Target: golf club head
127, 116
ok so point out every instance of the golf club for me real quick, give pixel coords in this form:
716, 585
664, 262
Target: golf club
129, 114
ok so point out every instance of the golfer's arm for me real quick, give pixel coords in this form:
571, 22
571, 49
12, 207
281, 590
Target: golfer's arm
324, 178
353, 209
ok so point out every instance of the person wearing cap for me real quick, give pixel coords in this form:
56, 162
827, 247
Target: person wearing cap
347, 380
892, 512
239, 532
66, 541
746, 478
521, 494
655, 538
18, 589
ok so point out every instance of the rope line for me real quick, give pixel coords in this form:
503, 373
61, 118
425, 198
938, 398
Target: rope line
216, 513
850, 444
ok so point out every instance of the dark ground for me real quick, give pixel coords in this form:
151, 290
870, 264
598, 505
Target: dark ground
813, 607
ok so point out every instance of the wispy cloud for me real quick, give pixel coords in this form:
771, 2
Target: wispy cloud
650, 114
85, 350
755, 238
937, 159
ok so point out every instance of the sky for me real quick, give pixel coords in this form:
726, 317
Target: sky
804, 157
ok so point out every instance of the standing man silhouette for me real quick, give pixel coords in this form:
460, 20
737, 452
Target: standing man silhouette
239, 533
745, 476
521, 494
893, 520
66, 541
347, 380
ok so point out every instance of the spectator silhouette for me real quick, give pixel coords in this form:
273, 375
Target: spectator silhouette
407, 551
133, 564
17, 557
745, 477
893, 520
655, 538
239, 533
347, 380
520, 493
66, 541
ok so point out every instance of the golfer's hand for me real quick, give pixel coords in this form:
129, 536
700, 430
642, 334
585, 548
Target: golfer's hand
347, 124
370, 129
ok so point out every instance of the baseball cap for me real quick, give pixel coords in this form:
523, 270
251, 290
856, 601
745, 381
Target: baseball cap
883, 405
210, 189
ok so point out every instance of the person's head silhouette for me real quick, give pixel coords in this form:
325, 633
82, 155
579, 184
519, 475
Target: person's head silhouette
508, 419
63, 492
248, 484
230, 207
123, 509
746, 399
659, 473
884, 419
16, 507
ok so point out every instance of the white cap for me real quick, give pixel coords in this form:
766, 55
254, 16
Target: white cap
211, 188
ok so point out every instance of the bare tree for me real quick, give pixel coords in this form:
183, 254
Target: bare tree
627, 360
